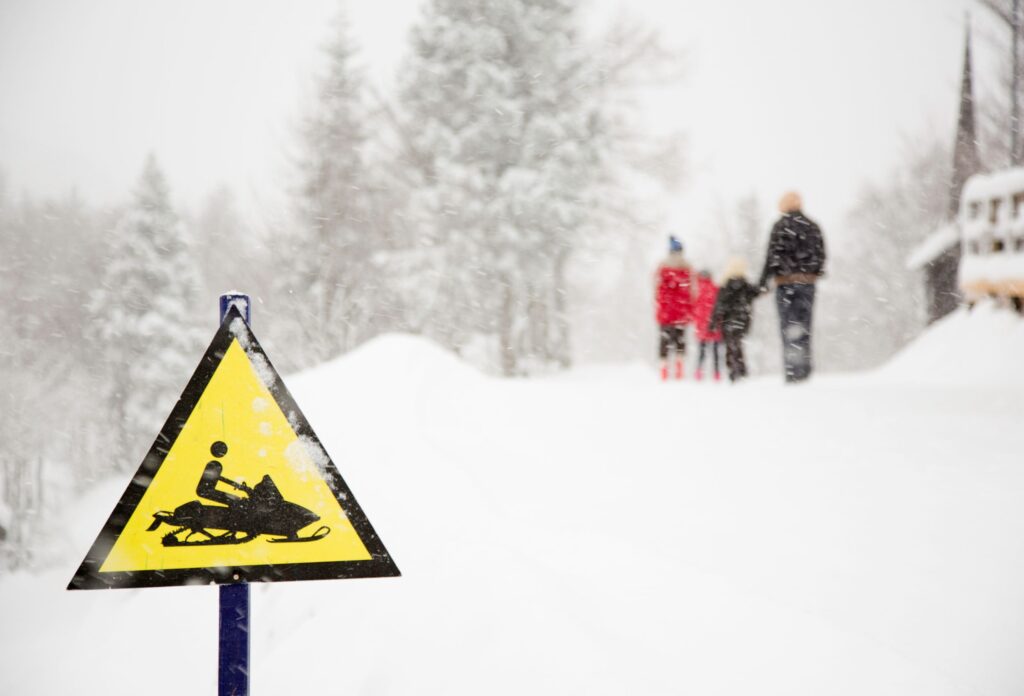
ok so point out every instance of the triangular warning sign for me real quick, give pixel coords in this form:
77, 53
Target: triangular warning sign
236, 488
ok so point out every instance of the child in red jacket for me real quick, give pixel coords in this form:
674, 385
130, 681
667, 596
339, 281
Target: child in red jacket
704, 304
674, 306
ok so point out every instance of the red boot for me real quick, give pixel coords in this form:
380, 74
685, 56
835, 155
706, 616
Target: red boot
679, 369
698, 375
718, 376
664, 372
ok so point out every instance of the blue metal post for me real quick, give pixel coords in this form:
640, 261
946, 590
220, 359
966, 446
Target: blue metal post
239, 300
233, 677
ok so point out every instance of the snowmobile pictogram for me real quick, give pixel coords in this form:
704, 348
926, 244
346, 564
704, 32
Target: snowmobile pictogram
238, 519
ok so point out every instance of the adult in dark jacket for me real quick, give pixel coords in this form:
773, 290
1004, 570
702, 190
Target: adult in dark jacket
731, 315
795, 260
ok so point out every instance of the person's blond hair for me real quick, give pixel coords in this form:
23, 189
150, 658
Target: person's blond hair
735, 268
790, 202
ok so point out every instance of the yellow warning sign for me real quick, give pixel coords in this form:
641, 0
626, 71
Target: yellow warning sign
237, 487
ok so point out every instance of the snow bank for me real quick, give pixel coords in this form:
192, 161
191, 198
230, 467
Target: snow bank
603, 533
982, 347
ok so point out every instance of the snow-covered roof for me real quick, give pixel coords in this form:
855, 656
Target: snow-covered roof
993, 184
934, 245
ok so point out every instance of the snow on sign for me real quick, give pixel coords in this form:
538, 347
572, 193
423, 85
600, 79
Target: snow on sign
236, 488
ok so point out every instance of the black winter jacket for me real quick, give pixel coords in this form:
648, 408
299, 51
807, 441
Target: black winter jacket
795, 246
732, 308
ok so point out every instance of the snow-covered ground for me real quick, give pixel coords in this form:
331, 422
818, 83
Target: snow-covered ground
602, 533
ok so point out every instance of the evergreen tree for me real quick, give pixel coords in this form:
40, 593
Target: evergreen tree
144, 314
228, 254
502, 130
330, 284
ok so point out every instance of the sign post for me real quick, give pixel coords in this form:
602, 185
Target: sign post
236, 489
233, 653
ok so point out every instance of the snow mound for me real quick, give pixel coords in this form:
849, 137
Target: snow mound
379, 389
388, 359
979, 347
400, 353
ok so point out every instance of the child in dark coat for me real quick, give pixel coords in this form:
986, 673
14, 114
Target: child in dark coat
732, 315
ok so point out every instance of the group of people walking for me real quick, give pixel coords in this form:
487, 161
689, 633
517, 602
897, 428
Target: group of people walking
794, 261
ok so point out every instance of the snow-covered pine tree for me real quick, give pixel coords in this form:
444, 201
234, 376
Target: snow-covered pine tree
329, 277
554, 190
145, 316
501, 124
455, 112
229, 253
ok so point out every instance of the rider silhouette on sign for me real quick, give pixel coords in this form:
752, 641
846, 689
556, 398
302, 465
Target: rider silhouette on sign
207, 487
238, 518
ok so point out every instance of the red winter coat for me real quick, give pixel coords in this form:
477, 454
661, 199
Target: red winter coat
703, 306
674, 298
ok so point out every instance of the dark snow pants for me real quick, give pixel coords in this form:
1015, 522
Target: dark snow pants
795, 302
734, 360
714, 354
672, 336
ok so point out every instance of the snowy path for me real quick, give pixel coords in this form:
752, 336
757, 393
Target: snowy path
601, 533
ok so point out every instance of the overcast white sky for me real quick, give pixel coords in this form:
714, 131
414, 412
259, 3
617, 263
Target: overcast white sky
813, 94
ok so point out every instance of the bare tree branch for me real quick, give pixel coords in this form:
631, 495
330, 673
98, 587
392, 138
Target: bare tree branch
1003, 9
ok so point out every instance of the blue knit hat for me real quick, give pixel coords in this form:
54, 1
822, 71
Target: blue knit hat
674, 244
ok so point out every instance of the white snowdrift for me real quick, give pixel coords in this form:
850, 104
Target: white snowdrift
982, 347
603, 533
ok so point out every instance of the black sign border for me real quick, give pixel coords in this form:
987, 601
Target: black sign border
89, 577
